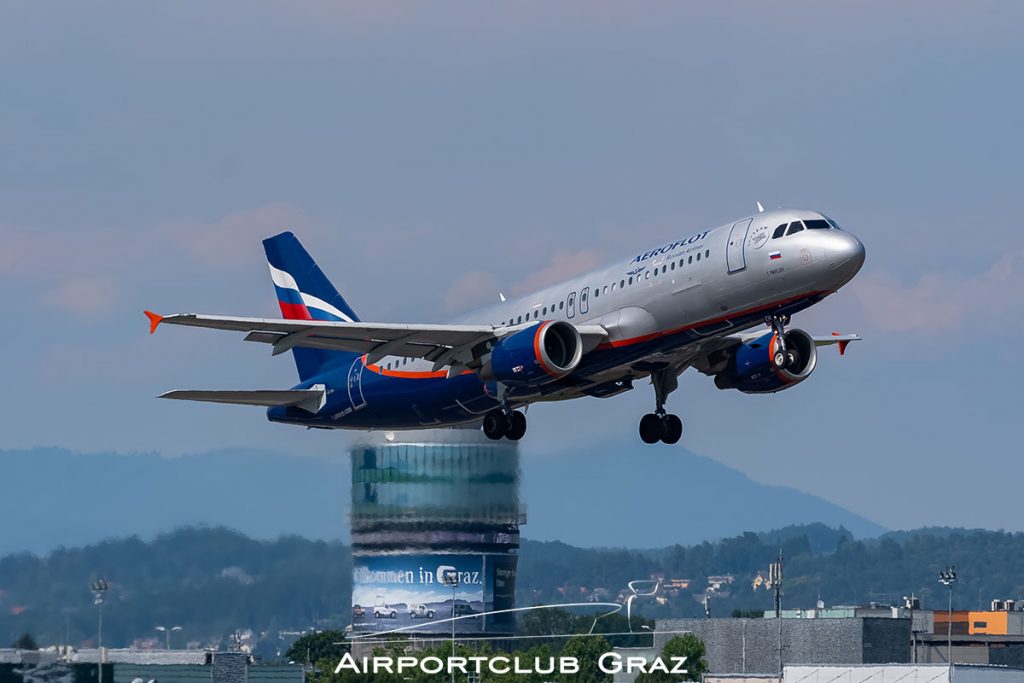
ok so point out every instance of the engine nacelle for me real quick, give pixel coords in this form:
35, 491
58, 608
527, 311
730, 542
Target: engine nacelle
537, 355
749, 367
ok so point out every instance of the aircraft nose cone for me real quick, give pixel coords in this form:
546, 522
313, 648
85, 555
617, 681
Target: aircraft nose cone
846, 254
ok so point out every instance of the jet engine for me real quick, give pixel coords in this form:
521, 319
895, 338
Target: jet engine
753, 369
537, 355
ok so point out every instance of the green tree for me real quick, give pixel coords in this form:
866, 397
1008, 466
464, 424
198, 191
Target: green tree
25, 642
686, 645
314, 647
587, 650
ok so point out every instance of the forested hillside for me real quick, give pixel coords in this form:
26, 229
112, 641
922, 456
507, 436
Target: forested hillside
214, 581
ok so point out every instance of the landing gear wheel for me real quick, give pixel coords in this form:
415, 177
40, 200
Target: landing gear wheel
673, 429
495, 424
652, 428
779, 360
516, 427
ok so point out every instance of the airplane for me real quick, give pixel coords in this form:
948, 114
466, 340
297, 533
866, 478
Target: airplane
702, 300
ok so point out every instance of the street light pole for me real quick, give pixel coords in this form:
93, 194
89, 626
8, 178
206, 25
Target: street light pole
99, 588
947, 577
451, 578
167, 633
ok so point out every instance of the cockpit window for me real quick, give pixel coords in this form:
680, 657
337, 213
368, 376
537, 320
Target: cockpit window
794, 227
818, 224
831, 222
779, 231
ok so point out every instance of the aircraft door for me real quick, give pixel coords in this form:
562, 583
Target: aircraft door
735, 259
584, 304
355, 384
570, 305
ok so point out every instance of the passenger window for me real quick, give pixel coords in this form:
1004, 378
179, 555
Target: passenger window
779, 231
794, 227
690, 259
613, 286
535, 314
519, 320
545, 310
817, 224
605, 289
622, 283
561, 305
597, 292
698, 256
656, 272
707, 253
664, 269
673, 266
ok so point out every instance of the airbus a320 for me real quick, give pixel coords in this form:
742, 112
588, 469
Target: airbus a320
717, 300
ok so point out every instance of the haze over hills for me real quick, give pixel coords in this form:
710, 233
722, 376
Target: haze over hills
69, 499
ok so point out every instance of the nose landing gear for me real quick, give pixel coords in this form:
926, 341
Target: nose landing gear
661, 425
782, 357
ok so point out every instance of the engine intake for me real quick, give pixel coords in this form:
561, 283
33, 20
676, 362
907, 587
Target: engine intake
537, 355
749, 367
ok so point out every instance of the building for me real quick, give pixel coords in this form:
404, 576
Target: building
130, 666
427, 506
901, 673
764, 646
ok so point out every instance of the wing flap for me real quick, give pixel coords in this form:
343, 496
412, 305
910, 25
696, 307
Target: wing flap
310, 400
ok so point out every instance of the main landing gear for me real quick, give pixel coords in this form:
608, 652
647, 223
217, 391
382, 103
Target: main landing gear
503, 421
660, 425
498, 423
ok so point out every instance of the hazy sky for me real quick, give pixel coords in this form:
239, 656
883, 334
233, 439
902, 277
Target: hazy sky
431, 154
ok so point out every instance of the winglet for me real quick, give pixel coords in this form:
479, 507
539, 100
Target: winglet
154, 320
842, 344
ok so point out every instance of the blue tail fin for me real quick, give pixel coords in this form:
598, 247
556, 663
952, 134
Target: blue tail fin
305, 293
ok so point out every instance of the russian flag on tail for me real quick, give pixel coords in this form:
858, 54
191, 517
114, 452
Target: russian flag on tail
305, 293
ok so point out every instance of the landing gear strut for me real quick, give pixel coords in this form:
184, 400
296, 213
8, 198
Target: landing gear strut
783, 357
660, 425
503, 421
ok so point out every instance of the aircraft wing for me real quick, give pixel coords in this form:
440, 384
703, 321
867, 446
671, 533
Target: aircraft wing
445, 345
311, 399
843, 340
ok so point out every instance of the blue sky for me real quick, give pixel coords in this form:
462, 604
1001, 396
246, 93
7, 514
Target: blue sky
430, 154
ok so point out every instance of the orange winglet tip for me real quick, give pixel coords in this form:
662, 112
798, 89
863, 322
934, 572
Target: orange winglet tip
154, 320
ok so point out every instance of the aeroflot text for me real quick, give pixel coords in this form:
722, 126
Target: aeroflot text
670, 247
609, 663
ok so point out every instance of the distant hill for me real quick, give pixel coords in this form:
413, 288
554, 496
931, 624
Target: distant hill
629, 496
622, 496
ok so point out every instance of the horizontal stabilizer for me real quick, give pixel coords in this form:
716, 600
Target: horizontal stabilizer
310, 400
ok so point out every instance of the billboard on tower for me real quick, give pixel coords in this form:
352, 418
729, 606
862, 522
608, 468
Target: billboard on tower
396, 591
